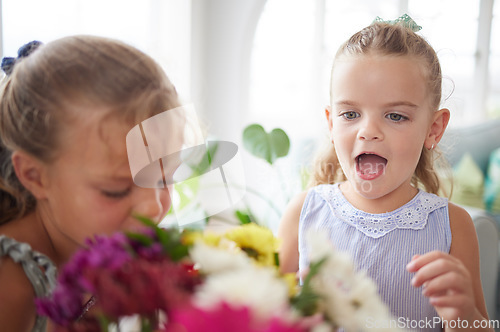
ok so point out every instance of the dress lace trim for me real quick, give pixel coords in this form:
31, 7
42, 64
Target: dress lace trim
38, 268
412, 215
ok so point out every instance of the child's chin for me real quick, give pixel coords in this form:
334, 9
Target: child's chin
368, 189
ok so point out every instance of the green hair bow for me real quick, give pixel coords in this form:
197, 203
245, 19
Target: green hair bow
404, 20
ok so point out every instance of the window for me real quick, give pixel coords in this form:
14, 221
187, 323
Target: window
159, 28
493, 101
296, 41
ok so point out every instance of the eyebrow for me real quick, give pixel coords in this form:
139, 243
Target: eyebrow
401, 103
396, 103
346, 102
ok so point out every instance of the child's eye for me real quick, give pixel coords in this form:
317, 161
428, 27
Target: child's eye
116, 194
396, 117
350, 115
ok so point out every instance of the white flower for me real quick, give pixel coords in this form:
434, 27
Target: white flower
254, 287
126, 324
349, 297
322, 327
364, 297
216, 260
338, 264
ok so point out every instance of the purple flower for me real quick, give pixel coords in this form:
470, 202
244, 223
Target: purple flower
126, 274
63, 307
65, 304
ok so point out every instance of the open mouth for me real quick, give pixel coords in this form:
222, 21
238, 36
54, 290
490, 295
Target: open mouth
370, 165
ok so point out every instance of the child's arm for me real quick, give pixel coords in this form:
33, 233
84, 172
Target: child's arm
17, 308
288, 233
452, 281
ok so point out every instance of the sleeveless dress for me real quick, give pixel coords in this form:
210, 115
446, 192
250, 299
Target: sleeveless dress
382, 244
39, 269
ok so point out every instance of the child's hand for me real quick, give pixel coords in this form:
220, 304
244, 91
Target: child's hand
447, 283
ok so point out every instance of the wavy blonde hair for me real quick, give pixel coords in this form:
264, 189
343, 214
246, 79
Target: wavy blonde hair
37, 101
389, 40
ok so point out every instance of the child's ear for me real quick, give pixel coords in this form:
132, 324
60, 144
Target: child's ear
438, 126
328, 113
30, 172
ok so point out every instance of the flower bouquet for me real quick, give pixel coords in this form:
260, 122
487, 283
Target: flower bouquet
191, 281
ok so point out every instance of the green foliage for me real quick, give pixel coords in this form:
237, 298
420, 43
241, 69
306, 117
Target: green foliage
268, 146
187, 191
261, 144
244, 217
170, 239
306, 301
204, 164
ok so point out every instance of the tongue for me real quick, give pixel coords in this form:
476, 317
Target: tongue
371, 164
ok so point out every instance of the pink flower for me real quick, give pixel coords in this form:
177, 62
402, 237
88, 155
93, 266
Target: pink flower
224, 318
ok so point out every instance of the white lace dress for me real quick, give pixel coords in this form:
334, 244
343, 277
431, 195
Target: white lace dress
382, 244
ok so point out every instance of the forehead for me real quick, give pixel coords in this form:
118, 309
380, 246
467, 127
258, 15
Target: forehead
96, 144
378, 77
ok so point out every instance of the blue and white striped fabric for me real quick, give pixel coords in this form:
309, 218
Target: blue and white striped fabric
381, 244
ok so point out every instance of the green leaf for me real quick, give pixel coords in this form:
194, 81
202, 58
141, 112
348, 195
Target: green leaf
280, 142
141, 238
243, 217
203, 165
187, 191
307, 300
146, 325
268, 146
104, 323
170, 239
172, 244
146, 221
276, 259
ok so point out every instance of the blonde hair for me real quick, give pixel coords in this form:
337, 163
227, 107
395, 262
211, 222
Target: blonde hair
36, 101
389, 40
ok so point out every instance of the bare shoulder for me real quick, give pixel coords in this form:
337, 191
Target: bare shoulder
463, 233
17, 308
288, 232
460, 221
289, 222
293, 210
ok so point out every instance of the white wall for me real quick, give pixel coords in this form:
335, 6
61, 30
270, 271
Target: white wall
222, 37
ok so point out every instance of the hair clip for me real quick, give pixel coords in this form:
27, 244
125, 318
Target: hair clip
25, 50
404, 20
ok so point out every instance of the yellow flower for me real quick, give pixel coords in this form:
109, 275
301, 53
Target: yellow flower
291, 281
258, 242
209, 238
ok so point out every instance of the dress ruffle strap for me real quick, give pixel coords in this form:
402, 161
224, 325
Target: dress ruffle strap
39, 269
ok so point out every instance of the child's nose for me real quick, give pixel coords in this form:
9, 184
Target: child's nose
152, 203
370, 130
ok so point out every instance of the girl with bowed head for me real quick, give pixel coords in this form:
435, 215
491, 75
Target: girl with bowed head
65, 110
375, 189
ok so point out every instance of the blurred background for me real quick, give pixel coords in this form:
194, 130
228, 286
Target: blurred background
268, 61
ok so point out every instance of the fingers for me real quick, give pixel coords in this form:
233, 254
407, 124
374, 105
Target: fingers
445, 281
418, 261
435, 264
450, 301
445, 284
